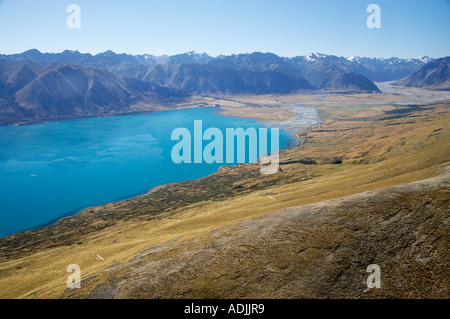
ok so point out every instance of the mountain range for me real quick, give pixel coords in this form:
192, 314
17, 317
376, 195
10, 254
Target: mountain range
37, 86
376, 69
434, 75
209, 79
34, 92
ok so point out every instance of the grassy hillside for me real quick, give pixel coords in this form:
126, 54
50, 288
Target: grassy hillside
354, 151
319, 250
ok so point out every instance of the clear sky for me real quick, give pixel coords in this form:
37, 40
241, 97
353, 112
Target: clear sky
409, 28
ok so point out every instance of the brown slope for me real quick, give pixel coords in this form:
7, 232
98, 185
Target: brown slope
315, 251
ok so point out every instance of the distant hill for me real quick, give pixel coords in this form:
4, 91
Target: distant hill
208, 79
260, 73
255, 61
351, 82
379, 69
189, 57
33, 92
119, 64
319, 68
433, 75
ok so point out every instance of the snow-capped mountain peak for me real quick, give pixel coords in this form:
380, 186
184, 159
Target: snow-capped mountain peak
424, 59
314, 56
353, 58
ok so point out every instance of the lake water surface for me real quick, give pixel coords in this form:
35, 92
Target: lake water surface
52, 170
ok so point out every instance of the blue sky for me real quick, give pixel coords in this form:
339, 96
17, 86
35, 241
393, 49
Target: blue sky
409, 28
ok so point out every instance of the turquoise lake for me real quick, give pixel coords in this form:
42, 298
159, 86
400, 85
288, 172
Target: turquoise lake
52, 170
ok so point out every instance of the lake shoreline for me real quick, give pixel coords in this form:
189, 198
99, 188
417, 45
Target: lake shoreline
75, 212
